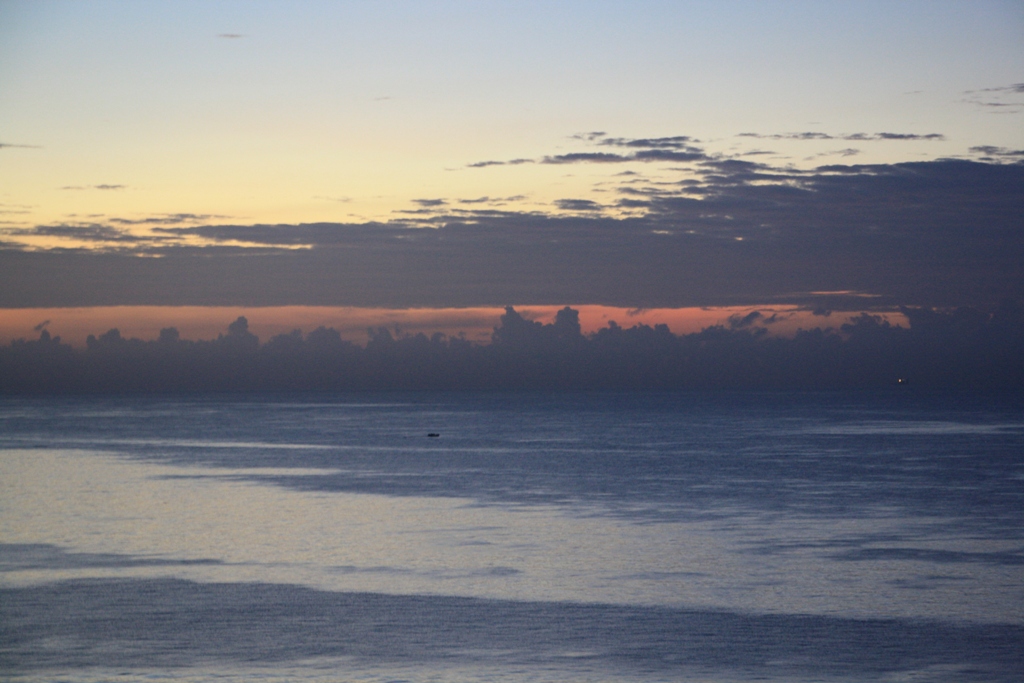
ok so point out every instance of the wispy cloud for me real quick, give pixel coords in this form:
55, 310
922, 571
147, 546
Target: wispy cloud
170, 219
587, 157
8, 145
584, 205
677, 148
814, 135
673, 142
82, 233
1008, 99
848, 152
588, 137
510, 162
992, 153
683, 149
104, 186
493, 200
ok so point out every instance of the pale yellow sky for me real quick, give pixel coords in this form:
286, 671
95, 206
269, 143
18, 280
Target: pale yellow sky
350, 112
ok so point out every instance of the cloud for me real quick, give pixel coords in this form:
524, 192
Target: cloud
1004, 98
8, 145
669, 155
101, 230
578, 205
848, 152
998, 154
964, 348
94, 187
903, 136
788, 136
676, 148
725, 231
493, 200
642, 155
673, 142
82, 233
811, 135
586, 157
511, 162
738, 322
589, 137
169, 219
231, 35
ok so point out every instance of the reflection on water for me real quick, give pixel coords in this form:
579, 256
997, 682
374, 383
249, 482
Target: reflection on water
166, 623
576, 537
923, 427
212, 525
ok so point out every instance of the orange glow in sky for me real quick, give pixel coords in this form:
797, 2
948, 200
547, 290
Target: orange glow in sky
73, 325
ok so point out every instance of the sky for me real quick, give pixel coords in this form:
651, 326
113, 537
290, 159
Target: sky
367, 160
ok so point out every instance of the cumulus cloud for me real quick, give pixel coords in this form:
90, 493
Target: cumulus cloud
738, 322
965, 348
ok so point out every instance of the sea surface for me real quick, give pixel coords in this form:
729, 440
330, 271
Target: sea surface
712, 537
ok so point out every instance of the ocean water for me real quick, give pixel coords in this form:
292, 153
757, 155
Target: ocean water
537, 537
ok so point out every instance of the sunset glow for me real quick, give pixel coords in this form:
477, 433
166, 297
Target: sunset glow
73, 325
422, 166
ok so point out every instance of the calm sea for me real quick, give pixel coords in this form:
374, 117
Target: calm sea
513, 537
